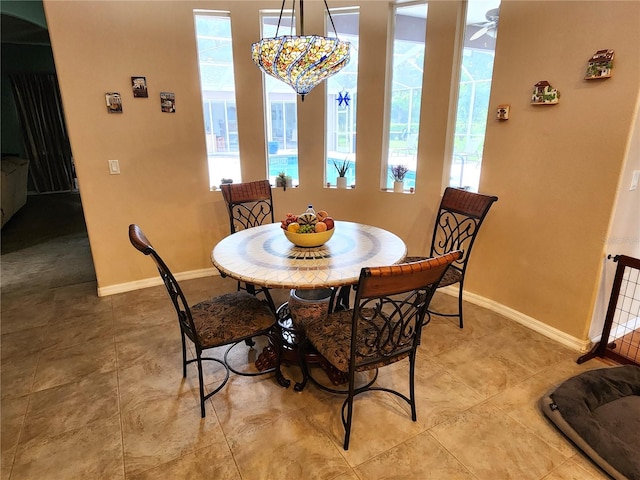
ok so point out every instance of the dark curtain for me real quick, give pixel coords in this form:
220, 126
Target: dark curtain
44, 131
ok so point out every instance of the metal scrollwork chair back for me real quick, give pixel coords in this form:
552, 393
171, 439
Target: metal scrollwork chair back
249, 204
460, 215
227, 319
383, 327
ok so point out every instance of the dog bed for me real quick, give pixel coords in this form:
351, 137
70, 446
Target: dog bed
599, 411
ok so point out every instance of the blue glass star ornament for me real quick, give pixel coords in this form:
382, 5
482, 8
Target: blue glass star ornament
343, 99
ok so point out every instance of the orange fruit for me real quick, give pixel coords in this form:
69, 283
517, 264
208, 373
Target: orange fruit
293, 227
321, 227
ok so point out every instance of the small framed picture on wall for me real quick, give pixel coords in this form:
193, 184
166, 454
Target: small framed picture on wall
139, 87
168, 102
114, 102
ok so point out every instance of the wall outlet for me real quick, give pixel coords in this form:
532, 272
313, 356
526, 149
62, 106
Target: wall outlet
114, 167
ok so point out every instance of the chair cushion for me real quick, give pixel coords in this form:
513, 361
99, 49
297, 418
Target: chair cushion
230, 317
332, 339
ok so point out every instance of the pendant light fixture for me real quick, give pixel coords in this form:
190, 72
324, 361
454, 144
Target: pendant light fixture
301, 61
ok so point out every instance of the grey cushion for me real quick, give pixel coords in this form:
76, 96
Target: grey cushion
599, 411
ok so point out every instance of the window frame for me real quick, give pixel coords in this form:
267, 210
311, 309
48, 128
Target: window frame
386, 160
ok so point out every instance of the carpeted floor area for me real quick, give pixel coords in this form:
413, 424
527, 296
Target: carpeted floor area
45, 245
43, 218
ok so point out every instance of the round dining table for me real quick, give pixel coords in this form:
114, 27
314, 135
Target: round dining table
264, 256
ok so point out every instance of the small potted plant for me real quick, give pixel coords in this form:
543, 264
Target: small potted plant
341, 181
283, 180
398, 172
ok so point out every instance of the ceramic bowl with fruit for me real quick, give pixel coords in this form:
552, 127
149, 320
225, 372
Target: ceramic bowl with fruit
308, 229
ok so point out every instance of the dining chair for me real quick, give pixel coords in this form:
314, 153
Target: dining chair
249, 204
457, 224
383, 327
224, 320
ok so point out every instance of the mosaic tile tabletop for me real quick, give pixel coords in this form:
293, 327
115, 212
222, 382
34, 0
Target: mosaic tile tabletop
263, 256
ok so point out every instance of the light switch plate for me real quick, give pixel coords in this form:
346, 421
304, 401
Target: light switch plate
114, 167
634, 180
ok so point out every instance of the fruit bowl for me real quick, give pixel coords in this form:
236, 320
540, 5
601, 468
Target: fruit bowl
309, 239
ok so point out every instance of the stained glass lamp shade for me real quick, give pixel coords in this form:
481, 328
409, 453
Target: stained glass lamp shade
301, 61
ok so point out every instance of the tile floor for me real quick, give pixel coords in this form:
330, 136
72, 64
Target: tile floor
92, 389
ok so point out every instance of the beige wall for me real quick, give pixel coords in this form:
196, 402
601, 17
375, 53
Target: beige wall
555, 169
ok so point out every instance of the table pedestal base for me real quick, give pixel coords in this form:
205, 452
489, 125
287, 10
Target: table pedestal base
290, 339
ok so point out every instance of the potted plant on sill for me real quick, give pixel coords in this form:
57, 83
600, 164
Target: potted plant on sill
398, 172
283, 180
341, 181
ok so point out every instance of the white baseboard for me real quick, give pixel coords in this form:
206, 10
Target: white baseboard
154, 281
565, 339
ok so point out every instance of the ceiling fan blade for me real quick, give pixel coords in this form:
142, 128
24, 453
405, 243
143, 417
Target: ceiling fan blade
479, 33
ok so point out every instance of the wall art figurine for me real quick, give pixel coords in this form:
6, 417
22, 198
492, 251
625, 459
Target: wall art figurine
114, 102
544, 94
600, 65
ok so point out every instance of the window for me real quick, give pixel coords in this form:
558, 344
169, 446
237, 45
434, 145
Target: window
476, 71
410, 28
342, 101
281, 110
217, 84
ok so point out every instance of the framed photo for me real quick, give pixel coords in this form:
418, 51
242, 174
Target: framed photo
139, 87
114, 102
168, 102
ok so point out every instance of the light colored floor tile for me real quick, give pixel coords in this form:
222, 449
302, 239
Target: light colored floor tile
439, 395
17, 375
212, 462
78, 308
166, 429
287, 446
575, 469
489, 365
247, 403
57, 367
379, 423
157, 344
71, 406
148, 381
27, 313
440, 336
21, 344
493, 445
94, 451
13, 411
76, 330
419, 457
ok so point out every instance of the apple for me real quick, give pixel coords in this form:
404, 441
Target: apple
321, 215
328, 221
